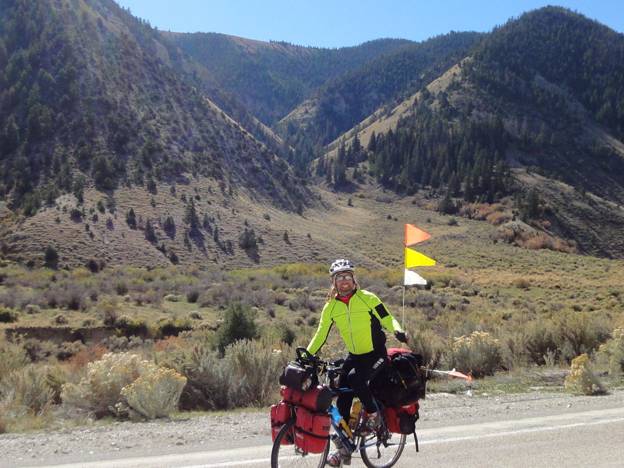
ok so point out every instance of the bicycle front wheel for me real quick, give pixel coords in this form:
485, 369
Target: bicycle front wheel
286, 454
376, 454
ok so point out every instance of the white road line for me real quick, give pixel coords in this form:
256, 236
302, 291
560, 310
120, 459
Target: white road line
483, 431
518, 431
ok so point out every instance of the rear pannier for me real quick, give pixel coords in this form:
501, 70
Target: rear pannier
402, 420
311, 430
401, 383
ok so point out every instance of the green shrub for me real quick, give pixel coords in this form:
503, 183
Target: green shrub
26, 392
50, 257
173, 327
579, 333
246, 375
478, 353
429, 345
192, 295
7, 315
208, 380
238, 324
612, 352
12, 356
131, 327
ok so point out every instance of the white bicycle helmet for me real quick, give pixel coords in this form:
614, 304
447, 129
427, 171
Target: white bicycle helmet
342, 264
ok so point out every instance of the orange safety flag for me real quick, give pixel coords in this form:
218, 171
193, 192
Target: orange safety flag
411, 278
414, 259
413, 235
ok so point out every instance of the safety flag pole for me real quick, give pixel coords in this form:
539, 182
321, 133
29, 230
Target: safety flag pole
403, 317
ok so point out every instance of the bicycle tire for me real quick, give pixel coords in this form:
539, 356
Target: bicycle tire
395, 458
287, 455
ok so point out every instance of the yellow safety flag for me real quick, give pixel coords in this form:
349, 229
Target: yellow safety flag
415, 259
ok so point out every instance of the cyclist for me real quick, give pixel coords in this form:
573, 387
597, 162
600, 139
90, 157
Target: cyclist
359, 316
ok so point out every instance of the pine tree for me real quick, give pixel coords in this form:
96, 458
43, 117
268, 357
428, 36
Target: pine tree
131, 219
150, 234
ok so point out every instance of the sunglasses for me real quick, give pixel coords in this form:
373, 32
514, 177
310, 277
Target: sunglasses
344, 277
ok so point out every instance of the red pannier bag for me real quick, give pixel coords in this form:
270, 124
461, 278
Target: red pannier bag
311, 431
402, 420
280, 414
317, 399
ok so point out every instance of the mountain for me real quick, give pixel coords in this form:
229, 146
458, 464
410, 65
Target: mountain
90, 96
270, 78
111, 151
345, 100
534, 114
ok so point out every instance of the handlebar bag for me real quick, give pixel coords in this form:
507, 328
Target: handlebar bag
298, 376
311, 431
316, 399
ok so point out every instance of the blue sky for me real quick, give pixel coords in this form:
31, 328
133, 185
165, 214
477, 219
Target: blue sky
337, 23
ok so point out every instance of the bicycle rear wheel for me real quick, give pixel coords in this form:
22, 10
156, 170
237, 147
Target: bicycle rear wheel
289, 455
377, 454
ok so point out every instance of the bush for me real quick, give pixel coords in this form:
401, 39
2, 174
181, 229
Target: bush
173, 327
581, 379
247, 240
246, 375
478, 353
131, 327
26, 392
102, 391
50, 257
155, 394
192, 295
612, 352
12, 356
7, 315
99, 391
238, 324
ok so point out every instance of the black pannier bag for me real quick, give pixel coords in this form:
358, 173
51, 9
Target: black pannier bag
298, 376
402, 382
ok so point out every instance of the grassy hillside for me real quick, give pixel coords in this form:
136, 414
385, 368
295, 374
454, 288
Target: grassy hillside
494, 127
347, 99
90, 98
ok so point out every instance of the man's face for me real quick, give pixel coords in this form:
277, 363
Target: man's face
344, 283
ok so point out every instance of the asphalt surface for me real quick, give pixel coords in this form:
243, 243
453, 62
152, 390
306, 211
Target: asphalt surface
593, 438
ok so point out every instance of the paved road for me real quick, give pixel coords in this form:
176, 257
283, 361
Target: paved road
582, 439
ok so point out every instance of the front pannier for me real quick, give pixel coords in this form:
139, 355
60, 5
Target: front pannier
311, 431
401, 383
280, 414
317, 399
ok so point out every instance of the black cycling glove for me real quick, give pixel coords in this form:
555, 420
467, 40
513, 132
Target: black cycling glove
401, 336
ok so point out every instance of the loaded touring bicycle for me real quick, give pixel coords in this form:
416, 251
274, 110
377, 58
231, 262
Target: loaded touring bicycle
306, 424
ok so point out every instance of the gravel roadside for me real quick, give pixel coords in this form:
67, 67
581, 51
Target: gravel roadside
251, 428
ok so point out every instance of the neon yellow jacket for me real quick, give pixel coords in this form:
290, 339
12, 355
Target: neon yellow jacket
358, 323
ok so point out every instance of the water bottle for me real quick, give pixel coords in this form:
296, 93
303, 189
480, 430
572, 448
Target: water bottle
342, 441
355, 414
